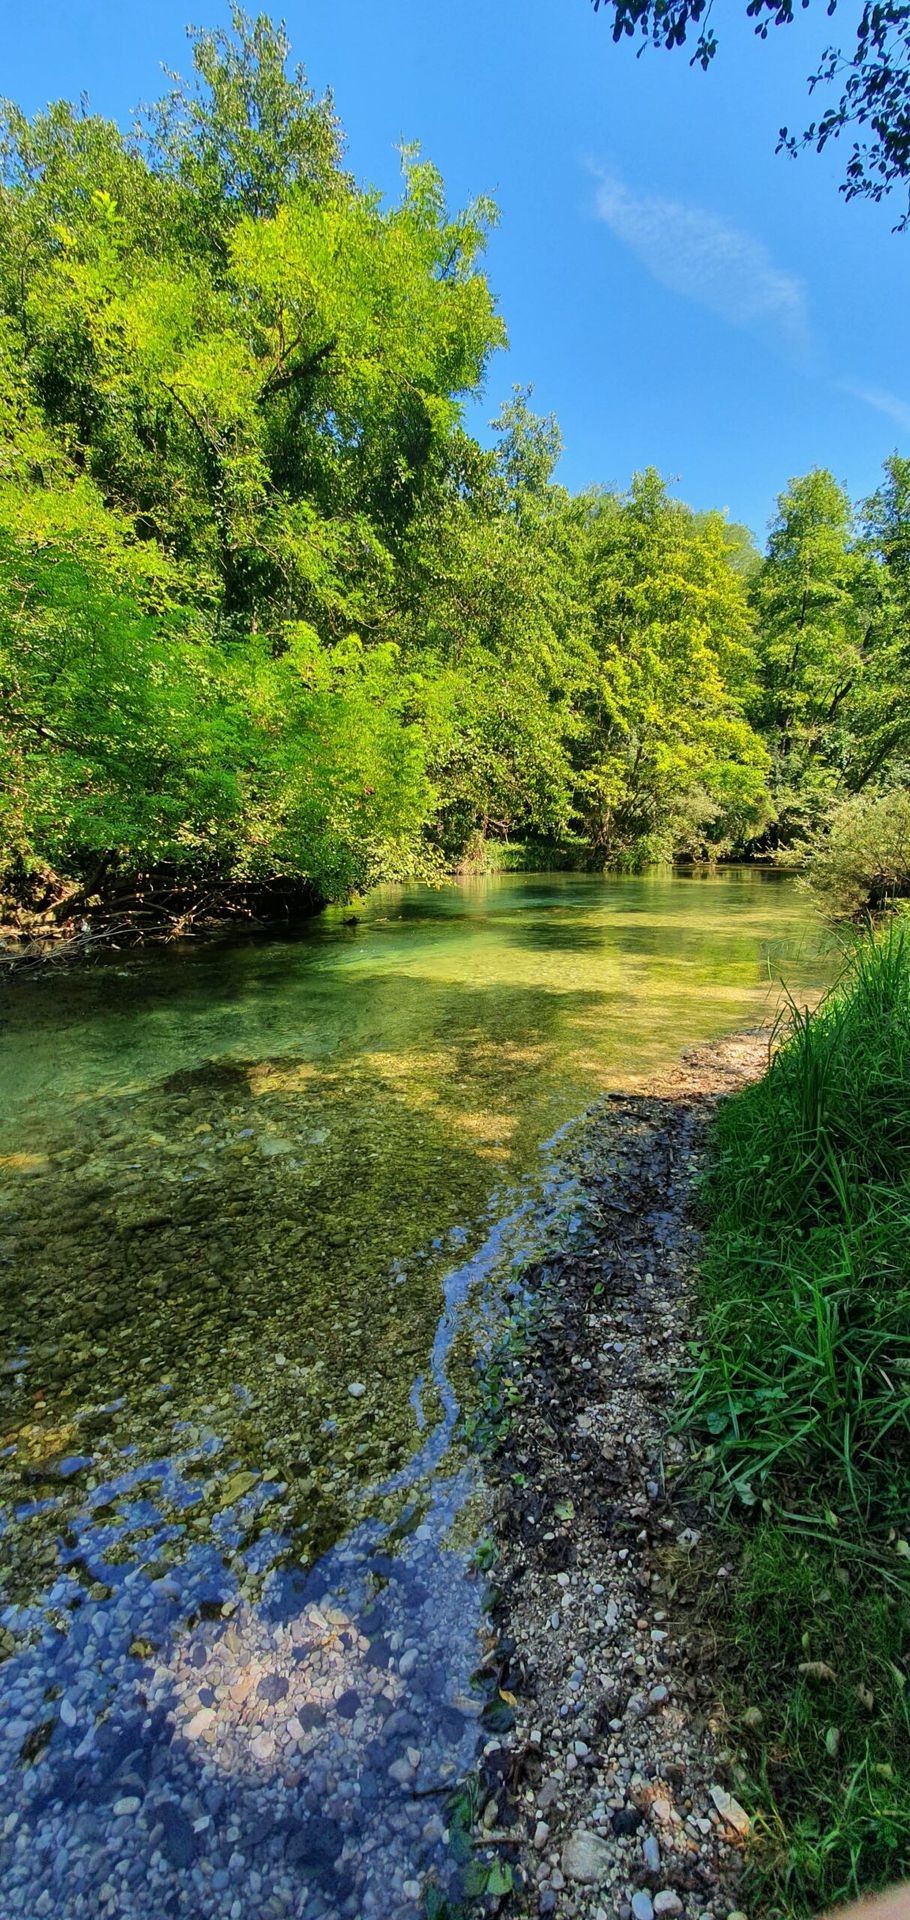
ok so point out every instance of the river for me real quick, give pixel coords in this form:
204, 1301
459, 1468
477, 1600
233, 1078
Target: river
260, 1200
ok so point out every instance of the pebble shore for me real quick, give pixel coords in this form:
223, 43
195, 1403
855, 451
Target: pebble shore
620, 1805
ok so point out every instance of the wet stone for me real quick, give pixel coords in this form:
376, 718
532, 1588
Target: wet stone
626, 1820
315, 1842
380, 1652
399, 1725
178, 1841
272, 1688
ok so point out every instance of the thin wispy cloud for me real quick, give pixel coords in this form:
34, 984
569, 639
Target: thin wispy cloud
884, 402
708, 260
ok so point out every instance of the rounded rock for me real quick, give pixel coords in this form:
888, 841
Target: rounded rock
588, 1859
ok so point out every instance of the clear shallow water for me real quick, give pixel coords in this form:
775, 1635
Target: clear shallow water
238, 1183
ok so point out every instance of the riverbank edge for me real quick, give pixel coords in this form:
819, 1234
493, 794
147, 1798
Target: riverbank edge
79, 926
611, 1793
46, 919
78, 931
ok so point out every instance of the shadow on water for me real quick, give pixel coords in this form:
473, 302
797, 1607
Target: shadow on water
300, 1749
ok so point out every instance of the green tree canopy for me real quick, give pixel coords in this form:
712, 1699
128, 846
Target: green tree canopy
270, 616
669, 760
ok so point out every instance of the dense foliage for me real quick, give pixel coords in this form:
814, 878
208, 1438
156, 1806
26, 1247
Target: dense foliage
271, 618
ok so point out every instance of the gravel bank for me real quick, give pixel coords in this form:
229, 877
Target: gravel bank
614, 1783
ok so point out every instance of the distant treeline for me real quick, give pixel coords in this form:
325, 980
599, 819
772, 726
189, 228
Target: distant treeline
270, 616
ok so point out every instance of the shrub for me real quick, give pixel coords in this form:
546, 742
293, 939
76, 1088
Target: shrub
862, 864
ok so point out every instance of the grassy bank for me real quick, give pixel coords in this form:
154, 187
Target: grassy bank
801, 1406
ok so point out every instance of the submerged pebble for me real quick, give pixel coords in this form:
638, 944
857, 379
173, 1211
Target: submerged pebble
213, 1249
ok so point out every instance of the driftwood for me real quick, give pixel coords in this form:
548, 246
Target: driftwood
34, 942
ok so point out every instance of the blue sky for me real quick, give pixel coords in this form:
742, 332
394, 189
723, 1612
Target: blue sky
679, 296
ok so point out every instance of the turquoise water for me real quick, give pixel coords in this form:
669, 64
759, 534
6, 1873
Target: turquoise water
259, 1205
245, 1169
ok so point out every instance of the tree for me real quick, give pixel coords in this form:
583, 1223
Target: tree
247, 132
498, 618
528, 451
874, 77
667, 761
883, 725
886, 522
231, 385
831, 607
811, 616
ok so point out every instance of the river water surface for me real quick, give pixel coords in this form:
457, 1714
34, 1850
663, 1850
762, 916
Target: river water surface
259, 1203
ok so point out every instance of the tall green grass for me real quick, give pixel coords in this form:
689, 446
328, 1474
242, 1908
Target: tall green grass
800, 1400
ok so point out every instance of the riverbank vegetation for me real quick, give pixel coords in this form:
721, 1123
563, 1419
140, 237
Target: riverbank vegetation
801, 1405
275, 626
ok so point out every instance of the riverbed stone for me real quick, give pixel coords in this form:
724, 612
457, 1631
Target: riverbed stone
651, 1853
588, 1495
731, 1812
586, 1858
178, 1842
272, 1688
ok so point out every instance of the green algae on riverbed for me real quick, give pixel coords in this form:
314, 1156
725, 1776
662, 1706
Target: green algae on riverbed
234, 1179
